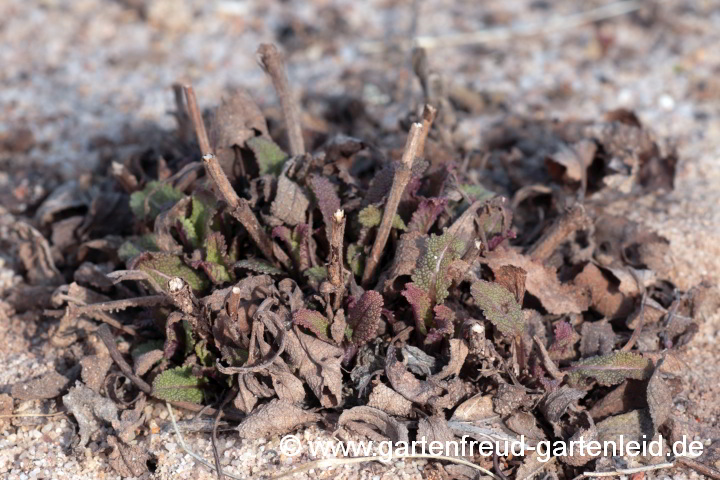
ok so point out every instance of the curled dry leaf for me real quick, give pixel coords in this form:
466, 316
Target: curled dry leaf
405, 383
276, 417
373, 424
476, 408
389, 401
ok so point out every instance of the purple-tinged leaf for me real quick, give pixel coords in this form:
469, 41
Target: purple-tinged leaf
420, 303
364, 317
313, 321
427, 212
327, 199
444, 324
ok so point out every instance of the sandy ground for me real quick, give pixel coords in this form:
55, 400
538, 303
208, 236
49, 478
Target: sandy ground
85, 74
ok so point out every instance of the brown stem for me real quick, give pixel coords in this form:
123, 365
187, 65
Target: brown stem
272, 62
335, 269
103, 331
573, 220
429, 113
239, 207
699, 467
400, 181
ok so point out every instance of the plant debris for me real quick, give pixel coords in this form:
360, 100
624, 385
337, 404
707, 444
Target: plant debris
394, 292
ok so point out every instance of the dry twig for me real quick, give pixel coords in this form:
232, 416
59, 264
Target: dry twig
335, 269
103, 331
400, 181
239, 207
272, 62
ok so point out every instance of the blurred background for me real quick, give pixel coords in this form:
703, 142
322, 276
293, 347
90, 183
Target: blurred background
84, 78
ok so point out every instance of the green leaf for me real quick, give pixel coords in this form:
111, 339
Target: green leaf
205, 356
146, 347
161, 267
216, 264
196, 225
499, 306
137, 245
270, 158
156, 197
356, 258
313, 321
612, 368
477, 192
259, 266
179, 385
433, 270
371, 216
318, 273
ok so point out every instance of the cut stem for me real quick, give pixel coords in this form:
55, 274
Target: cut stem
400, 181
272, 63
335, 269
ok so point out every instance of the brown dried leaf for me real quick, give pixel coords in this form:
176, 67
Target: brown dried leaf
389, 401
88, 407
513, 279
48, 385
542, 282
405, 383
291, 203
587, 433
373, 424
94, 370
478, 407
458, 353
277, 417
659, 399
554, 406
128, 460
524, 423
596, 338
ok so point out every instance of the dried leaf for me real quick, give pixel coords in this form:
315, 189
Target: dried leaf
179, 385
542, 282
373, 424
476, 408
444, 324
458, 353
586, 433
419, 300
389, 401
94, 370
554, 406
499, 306
277, 417
611, 369
513, 279
48, 385
88, 407
631, 426
596, 338
128, 460
405, 383
290, 204
659, 399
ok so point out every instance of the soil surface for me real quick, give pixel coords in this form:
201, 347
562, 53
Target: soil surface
84, 80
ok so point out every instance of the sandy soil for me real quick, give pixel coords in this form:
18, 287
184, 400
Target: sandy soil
85, 76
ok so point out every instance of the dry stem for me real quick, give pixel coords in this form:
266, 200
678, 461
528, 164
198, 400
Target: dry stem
239, 207
429, 113
103, 331
573, 220
335, 269
400, 181
272, 62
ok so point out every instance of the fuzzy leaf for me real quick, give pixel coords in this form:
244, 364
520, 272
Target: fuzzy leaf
364, 317
432, 272
420, 303
259, 266
149, 202
137, 245
444, 324
477, 192
612, 368
164, 266
217, 263
178, 385
318, 273
194, 227
371, 216
313, 321
327, 200
270, 158
427, 212
499, 306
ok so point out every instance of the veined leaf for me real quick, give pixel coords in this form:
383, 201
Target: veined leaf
164, 266
364, 317
270, 158
179, 385
149, 202
612, 368
259, 266
499, 306
313, 321
432, 272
